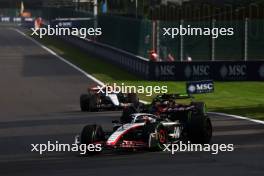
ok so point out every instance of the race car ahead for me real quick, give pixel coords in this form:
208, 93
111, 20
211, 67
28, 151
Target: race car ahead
96, 99
171, 106
148, 131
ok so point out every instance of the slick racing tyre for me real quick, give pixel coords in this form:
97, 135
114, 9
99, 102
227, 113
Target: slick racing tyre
84, 102
157, 136
125, 117
93, 103
161, 137
199, 128
92, 134
200, 107
88, 102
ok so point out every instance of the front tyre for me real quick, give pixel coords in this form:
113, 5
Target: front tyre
161, 137
157, 136
92, 134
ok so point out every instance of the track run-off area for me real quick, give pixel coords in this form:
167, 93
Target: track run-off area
40, 102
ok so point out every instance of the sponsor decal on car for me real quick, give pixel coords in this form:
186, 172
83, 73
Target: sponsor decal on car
113, 139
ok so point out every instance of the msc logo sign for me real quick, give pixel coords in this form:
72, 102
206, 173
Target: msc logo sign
261, 71
198, 87
233, 71
164, 70
65, 24
197, 70
5, 19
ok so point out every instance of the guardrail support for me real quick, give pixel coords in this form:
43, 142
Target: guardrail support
213, 43
246, 40
181, 43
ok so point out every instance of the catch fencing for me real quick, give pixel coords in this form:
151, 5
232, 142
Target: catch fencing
140, 36
126, 43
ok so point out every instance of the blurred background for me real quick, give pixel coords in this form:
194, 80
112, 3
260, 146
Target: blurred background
136, 25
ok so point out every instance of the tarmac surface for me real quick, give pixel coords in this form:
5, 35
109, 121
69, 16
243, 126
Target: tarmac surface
39, 102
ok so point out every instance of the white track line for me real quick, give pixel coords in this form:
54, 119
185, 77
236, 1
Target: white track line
101, 83
61, 58
237, 117
64, 60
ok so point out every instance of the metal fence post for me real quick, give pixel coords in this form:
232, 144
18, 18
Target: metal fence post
154, 36
246, 40
158, 38
136, 8
95, 13
181, 43
213, 43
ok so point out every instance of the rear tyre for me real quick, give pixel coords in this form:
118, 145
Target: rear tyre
200, 107
88, 102
199, 128
84, 102
93, 103
92, 134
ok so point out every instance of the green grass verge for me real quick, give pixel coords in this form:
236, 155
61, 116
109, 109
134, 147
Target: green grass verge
239, 98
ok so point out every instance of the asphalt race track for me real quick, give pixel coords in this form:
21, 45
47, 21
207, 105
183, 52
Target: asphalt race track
40, 102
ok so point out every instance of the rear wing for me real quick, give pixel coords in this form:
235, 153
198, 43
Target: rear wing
164, 97
192, 87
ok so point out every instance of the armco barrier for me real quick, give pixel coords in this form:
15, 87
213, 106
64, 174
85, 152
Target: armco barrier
134, 64
174, 71
217, 70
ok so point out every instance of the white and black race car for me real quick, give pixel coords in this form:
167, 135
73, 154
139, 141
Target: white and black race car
95, 100
148, 131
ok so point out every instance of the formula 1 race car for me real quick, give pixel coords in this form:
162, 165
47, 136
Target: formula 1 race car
96, 100
148, 131
167, 106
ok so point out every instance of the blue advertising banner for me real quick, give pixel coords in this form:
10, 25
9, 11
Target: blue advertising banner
217, 70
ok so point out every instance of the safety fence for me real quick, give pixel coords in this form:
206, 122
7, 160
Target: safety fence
140, 36
132, 63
